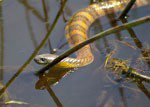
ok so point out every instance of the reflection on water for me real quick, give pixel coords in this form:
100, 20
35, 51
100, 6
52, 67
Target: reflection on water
86, 88
137, 42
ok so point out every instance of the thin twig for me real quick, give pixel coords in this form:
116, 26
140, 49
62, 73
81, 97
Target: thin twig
32, 9
47, 25
35, 51
137, 42
52, 94
141, 86
127, 9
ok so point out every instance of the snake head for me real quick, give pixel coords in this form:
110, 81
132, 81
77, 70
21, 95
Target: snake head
44, 59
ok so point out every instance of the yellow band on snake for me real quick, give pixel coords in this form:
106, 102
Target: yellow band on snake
76, 31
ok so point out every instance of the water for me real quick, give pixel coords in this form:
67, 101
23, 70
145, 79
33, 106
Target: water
89, 86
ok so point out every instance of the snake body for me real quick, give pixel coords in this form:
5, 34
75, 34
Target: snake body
76, 31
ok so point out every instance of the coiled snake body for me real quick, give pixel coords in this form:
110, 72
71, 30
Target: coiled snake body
76, 31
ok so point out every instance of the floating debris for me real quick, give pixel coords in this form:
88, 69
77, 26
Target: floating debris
15, 102
121, 68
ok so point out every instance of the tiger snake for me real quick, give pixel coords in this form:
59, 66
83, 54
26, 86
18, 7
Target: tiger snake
76, 32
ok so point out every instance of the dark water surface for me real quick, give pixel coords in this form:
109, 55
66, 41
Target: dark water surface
89, 86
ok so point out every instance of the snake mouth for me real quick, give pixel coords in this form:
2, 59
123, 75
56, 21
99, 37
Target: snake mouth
36, 60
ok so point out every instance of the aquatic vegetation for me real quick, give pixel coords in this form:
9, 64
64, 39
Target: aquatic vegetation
121, 68
58, 66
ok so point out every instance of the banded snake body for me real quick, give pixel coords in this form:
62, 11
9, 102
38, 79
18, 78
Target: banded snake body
76, 31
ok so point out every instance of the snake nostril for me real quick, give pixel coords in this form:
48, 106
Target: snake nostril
35, 59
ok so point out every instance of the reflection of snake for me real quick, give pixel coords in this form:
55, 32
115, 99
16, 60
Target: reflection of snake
76, 31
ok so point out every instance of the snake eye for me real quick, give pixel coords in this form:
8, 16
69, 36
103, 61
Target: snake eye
43, 59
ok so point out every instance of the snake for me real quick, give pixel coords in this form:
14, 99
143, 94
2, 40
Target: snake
76, 32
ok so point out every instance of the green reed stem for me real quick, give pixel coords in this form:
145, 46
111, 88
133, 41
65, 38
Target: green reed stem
127, 9
141, 86
54, 97
94, 38
20, 70
32, 9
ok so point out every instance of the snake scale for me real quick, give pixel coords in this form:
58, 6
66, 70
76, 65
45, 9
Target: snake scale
76, 31
77, 27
